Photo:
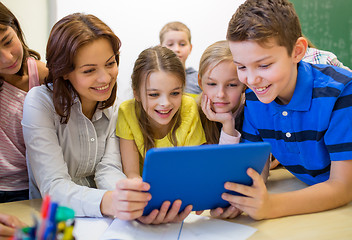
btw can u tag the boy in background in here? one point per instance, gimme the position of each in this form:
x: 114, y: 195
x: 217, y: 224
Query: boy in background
x: 177, y: 37
x: 303, y: 110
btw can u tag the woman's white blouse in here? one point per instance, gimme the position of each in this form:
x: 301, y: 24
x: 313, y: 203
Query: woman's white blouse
x: 75, y: 163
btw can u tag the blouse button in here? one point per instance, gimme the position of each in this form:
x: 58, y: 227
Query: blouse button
x: 288, y: 134
x: 284, y: 113
x: 92, y: 139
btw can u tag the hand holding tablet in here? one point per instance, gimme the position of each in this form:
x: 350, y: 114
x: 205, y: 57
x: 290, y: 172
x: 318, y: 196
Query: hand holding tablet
x: 196, y: 175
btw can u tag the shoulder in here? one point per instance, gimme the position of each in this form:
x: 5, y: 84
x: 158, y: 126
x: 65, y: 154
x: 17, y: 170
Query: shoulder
x: 188, y: 102
x: 327, y: 75
x: 39, y: 92
x: 127, y: 105
x: 189, y: 110
x: 191, y: 70
x: 42, y: 71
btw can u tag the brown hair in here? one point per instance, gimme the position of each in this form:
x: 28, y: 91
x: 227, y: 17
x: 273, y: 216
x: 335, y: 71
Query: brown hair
x: 265, y: 19
x: 213, y: 55
x: 174, y: 26
x: 151, y: 60
x: 67, y: 36
x: 8, y: 19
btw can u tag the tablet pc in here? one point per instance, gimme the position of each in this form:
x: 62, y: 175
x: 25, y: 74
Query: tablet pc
x: 196, y: 175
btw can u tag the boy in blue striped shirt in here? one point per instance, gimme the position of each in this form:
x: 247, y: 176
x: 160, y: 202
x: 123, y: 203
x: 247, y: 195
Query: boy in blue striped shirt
x: 303, y: 110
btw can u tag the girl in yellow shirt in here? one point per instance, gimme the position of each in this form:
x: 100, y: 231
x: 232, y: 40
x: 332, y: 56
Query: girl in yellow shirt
x: 159, y: 115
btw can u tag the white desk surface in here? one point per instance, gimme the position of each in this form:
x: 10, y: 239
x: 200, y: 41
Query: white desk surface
x: 332, y: 224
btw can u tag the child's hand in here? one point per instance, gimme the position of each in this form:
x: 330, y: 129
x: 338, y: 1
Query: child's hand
x: 256, y: 202
x: 8, y: 225
x: 226, y: 119
x: 166, y: 215
x: 213, y: 116
x: 229, y: 212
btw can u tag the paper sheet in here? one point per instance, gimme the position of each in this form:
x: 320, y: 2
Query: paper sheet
x: 194, y: 227
x: 90, y: 228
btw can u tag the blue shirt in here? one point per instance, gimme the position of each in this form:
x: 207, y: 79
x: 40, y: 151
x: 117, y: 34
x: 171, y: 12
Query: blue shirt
x: 314, y: 129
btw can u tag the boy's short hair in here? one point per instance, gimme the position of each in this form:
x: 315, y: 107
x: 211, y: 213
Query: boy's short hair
x: 174, y: 26
x: 259, y: 20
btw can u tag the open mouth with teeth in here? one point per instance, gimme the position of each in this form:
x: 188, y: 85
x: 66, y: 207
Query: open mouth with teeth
x: 261, y: 89
x: 102, y: 88
x: 163, y: 112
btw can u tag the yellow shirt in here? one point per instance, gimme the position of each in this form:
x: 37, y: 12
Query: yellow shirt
x: 189, y: 133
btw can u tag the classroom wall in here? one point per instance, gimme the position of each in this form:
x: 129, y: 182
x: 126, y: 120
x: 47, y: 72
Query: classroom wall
x: 137, y: 23
x: 33, y: 17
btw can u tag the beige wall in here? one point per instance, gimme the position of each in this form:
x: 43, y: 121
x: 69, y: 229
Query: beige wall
x: 34, y: 19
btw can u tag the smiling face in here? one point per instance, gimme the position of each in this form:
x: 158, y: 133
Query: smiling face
x: 222, y: 87
x: 161, y: 98
x: 11, y: 51
x: 95, y: 73
x: 178, y: 42
x: 268, y: 70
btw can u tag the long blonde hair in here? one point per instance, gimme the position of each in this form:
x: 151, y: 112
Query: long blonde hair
x: 152, y: 60
x: 213, y: 55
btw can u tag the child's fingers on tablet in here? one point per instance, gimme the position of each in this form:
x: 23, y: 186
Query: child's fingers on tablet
x: 162, y: 213
x: 149, y: 218
x: 183, y: 214
x: 240, y: 188
x: 173, y: 212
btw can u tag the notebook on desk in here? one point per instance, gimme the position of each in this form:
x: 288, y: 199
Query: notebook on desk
x: 196, y: 175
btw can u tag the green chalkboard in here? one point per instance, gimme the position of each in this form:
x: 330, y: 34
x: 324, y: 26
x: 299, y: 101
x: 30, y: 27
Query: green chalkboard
x: 328, y: 24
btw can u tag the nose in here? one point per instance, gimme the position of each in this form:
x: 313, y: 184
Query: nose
x: 5, y: 56
x: 221, y: 92
x: 176, y: 48
x: 252, y: 78
x: 164, y: 101
x: 104, y: 76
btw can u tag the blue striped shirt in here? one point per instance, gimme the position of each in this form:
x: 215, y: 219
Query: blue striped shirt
x: 314, y: 129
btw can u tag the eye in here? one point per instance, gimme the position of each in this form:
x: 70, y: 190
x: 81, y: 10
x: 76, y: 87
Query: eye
x: 175, y: 93
x: 265, y: 65
x: 8, y: 42
x: 241, y: 67
x: 111, y: 64
x: 211, y: 84
x: 89, y: 71
x: 233, y: 85
x: 153, y: 94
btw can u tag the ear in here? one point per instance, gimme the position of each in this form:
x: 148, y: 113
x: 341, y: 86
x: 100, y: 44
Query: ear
x: 191, y: 48
x: 299, y: 49
x: 65, y: 77
x: 200, y: 82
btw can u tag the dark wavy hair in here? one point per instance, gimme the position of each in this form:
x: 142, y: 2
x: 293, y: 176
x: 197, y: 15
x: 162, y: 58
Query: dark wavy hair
x: 8, y: 19
x: 67, y: 36
x: 151, y: 60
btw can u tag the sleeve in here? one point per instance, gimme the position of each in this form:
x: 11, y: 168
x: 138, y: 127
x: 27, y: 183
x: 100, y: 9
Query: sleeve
x: 46, y: 164
x: 228, y: 139
x: 123, y: 129
x: 338, y: 136
x: 109, y: 170
x: 195, y: 132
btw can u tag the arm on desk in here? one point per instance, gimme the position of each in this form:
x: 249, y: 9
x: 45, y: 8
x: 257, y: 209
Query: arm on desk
x: 8, y: 225
x: 259, y: 204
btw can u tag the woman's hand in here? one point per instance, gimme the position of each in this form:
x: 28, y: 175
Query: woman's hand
x: 8, y: 225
